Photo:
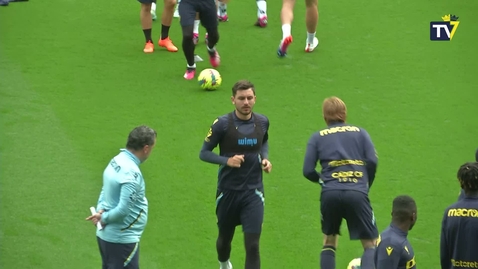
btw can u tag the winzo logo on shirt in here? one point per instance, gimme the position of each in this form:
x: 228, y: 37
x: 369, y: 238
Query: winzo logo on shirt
x: 247, y: 141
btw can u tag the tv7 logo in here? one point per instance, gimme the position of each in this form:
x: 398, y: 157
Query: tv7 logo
x: 444, y: 30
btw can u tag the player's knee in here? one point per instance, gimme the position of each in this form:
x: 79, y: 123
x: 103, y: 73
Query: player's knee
x: 368, y: 243
x: 213, y: 33
x: 331, y: 240
x: 146, y: 7
x: 311, y: 3
x: 188, y: 36
x: 223, y: 242
x: 170, y: 4
x: 288, y: 5
x: 187, y: 33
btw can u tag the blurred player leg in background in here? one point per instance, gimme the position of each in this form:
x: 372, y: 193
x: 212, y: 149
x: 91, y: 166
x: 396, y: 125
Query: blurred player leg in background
x: 207, y: 14
x: 209, y: 20
x: 287, y: 16
x: 153, y: 10
x: 311, y: 20
x: 196, y: 29
x: 166, y: 20
x: 187, y: 14
x: 146, y: 24
x: 261, y: 13
x: 222, y: 11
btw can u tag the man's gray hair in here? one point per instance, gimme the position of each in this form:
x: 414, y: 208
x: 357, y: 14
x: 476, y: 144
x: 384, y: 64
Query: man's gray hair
x: 140, y: 137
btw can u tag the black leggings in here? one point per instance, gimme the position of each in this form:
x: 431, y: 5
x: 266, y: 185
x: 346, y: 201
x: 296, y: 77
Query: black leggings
x: 251, y: 243
x: 188, y: 44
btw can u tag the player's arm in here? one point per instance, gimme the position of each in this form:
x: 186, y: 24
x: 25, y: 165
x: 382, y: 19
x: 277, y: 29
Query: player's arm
x: 100, y: 207
x: 388, y: 256
x: 126, y: 201
x: 214, y: 136
x: 310, y: 160
x: 371, y: 158
x: 445, y: 259
x: 265, y: 141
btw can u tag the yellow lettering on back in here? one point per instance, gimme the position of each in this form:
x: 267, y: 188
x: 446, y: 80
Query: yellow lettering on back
x: 463, y: 212
x: 339, y: 129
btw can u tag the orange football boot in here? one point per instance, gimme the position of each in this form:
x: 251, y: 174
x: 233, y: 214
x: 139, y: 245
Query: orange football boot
x: 149, y: 47
x: 168, y: 44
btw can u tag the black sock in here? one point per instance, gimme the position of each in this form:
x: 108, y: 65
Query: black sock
x: 164, y: 31
x: 147, y: 35
x: 327, y: 258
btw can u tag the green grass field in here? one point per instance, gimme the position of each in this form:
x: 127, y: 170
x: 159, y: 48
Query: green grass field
x: 74, y: 81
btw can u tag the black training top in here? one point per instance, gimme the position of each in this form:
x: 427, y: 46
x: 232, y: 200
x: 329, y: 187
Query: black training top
x: 238, y: 137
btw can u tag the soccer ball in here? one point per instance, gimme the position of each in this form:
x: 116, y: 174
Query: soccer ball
x: 209, y: 79
x: 355, y: 264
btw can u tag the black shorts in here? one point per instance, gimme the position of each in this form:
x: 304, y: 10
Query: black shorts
x: 147, y: 1
x: 119, y: 256
x: 354, y: 207
x: 244, y: 208
x: 207, y: 13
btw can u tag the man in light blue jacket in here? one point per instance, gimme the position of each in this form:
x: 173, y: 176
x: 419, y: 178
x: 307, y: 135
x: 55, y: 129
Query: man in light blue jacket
x: 122, y: 207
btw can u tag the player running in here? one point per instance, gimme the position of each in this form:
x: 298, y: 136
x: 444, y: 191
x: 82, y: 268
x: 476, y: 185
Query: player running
x: 188, y: 10
x: 311, y: 19
x: 242, y: 137
x: 349, y: 162
x: 166, y: 20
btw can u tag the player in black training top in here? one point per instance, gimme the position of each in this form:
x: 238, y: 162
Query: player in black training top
x: 393, y: 249
x: 243, y: 153
x: 349, y: 162
x: 462, y: 192
x: 459, y: 232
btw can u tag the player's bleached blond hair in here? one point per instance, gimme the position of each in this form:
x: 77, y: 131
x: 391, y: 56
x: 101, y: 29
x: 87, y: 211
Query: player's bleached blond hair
x: 334, y: 109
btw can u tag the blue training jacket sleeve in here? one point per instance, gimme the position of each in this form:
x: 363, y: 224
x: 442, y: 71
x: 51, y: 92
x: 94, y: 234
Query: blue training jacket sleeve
x: 310, y: 161
x: 100, y: 204
x: 389, y: 257
x: 445, y: 259
x: 214, y: 136
x: 265, y: 150
x: 125, y: 204
x: 371, y: 159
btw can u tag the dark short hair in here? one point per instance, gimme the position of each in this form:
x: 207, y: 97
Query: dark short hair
x: 140, y: 137
x: 468, y: 176
x: 403, y: 207
x: 243, y: 85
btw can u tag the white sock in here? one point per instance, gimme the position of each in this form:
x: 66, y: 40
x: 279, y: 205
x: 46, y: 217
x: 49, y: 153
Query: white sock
x: 196, y: 26
x: 285, y: 30
x: 310, y: 38
x: 153, y: 7
x: 213, y: 49
x: 261, y: 8
x: 222, y: 9
x: 224, y: 265
x: 192, y: 66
